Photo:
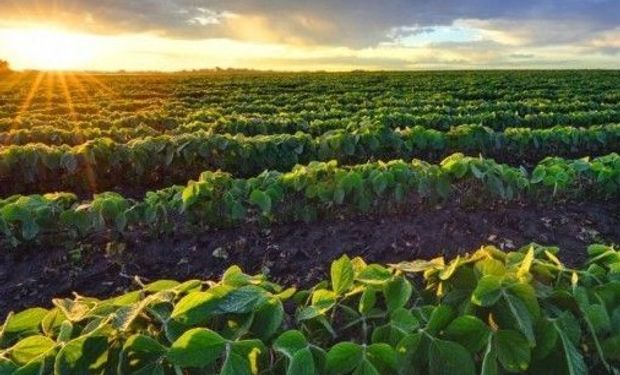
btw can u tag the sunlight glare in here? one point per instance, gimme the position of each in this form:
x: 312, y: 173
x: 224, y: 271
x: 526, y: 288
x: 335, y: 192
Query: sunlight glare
x: 49, y: 48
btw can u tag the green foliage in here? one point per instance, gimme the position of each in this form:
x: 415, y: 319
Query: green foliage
x: 487, y: 312
x: 218, y: 199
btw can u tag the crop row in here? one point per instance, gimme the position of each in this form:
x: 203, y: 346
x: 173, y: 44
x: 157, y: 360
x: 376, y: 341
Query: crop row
x: 51, y: 135
x: 497, y: 100
x: 159, y: 161
x: 488, y: 312
x: 315, y: 124
x: 135, y: 127
x: 319, y: 189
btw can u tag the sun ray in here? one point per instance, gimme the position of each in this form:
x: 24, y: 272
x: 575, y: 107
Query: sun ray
x: 50, y: 82
x: 28, y: 99
x: 67, y: 94
x: 100, y: 85
x: 74, y: 81
x: 90, y: 173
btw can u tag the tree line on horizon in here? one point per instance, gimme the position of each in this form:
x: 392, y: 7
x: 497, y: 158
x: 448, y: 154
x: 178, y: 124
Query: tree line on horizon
x: 4, y: 66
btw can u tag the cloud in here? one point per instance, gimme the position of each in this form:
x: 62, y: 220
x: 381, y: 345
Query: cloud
x: 336, y: 34
x: 352, y: 23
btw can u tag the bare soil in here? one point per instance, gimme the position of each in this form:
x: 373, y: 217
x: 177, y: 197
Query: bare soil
x: 299, y: 254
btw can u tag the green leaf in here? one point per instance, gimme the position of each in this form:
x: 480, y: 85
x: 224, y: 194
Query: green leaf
x: 521, y: 316
x: 343, y: 357
x: 366, y: 368
x: 488, y: 291
x: 397, y: 292
x: 80, y: 355
x: 141, y: 354
x: 242, y: 300
x: 196, y: 307
x: 342, y: 274
x: 374, y: 274
x: 546, y: 339
x: 268, y: 319
x: 441, y: 316
x: 574, y: 359
x: 250, y: 351
x: 408, y: 347
x: 190, y: 194
x: 235, y: 365
x: 65, y: 332
x: 446, y: 358
x: 36, y: 367
x: 197, y: 347
x: 261, y: 199
x: 302, y: 363
x: 30, y: 348
x: 7, y: 367
x: 611, y: 348
x: 382, y: 356
x: 489, y: 360
x: 234, y: 276
x: 323, y: 299
x: 290, y: 342
x: 527, y: 294
x: 491, y: 266
x: 27, y: 320
x: 598, y: 316
x: 538, y: 175
x: 468, y: 331
x: 513, y: 350
x: 367, y: 300
x: 308, y: 312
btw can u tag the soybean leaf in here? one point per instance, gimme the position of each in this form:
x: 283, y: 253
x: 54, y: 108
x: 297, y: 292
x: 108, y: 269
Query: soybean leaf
x: 574, y: 359
x: 197, y: 347
x: 343, y: 357
x: 397, y: 292
x: 302, y: 363
x: 261, y: 199
x: 30, y: 348
x: 446, y: 357
x: 488, y: 291
x: 513, y: 350
x: 342, y: 274
x: 521, y: 316
x: 489, y: 360
x: 80, y: 355
x: 468, y: 331
x: 234, y: 364
x: 290, y: 342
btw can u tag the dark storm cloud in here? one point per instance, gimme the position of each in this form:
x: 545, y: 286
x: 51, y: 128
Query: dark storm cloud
x: 352, y: 23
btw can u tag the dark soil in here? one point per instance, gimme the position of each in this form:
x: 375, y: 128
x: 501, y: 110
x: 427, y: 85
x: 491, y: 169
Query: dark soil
x: 299, y: 254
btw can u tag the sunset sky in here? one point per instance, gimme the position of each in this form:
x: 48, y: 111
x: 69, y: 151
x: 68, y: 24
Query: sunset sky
x: 309, y: 35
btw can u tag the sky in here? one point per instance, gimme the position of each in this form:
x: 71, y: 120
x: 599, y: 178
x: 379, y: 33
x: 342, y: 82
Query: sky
x: 296, y: 35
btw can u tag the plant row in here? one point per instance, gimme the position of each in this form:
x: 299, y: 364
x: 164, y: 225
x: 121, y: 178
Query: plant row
x: 55, y: 132
x: 534, y: 99
x: 102, y: 164
x: 487, y: 312
x: 136, y: 126
x: 318, y: 190
x: 51, y: 135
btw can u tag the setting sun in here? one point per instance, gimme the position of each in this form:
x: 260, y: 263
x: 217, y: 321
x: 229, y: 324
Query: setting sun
x: 49, y: 48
